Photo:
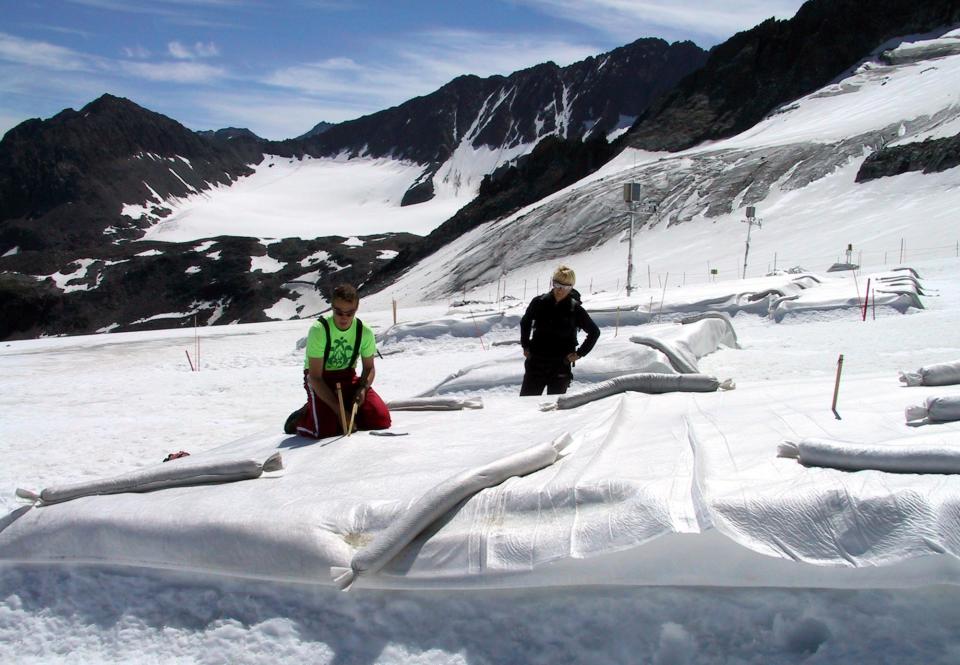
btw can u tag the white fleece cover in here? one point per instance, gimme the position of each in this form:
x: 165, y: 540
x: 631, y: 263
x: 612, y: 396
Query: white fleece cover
x: 665, y: 348
x: 685, y: 343
x: 892, y: 288
x: 688, y: 484
x: 440, y: 499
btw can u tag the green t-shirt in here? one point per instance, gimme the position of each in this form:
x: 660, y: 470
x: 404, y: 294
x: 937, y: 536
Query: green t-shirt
x: 341, y: 344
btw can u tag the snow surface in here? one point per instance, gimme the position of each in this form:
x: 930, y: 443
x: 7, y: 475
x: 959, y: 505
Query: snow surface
x: 306, y: 198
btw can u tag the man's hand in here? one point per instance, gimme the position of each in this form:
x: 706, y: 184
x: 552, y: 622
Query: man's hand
x: 526, y: 353
x: 572, y: 358
x: 361, y: 395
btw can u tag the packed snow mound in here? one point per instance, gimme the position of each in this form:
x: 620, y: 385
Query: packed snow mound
x: 683, y: 488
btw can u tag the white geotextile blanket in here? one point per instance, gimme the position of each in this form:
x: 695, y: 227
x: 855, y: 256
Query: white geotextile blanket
x: 338, y: 495
x: 440, y: 499
x: 463, y: 325
x: 846, y: 293
x: 941, y: 374
x: 685, y: 343
x: 897, y: 456
x: 610, y: 358
x: 664, y: 349
x: 822, y: 516
x: 643, y: 473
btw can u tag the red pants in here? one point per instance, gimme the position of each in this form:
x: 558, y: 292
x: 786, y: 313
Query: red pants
x: 317, y: 420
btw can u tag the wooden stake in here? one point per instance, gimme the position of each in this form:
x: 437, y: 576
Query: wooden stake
x: 343, y: 412
x: 353, y: 414
x: 189, y: 361
x: 866, y: 299
x: 836, y: 387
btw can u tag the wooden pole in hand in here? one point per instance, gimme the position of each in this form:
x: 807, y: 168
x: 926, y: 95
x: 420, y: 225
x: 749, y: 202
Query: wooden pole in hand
x: 353, y: 414
x: 343, y: 413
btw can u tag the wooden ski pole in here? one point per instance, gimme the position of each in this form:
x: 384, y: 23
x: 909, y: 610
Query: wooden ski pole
x: 836, y: 386
x: 343, y: 413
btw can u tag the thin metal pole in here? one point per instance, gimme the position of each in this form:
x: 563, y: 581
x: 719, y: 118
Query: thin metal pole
x: 630, y: 255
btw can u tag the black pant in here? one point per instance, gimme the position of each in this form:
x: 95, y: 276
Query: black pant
x: 552, y: 373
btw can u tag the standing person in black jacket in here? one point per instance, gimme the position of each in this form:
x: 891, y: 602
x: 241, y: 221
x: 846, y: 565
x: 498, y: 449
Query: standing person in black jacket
x: 550, y: 353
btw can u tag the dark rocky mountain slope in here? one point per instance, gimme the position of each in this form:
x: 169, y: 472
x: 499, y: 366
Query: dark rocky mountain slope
x: 591, y: 98
x: 63, y: 181
x: 756, y: 71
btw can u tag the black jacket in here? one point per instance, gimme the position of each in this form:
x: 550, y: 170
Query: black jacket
x: 554, y: 325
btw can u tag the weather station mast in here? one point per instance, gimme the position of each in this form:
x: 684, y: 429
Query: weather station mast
x: 631, y: 196
x: 749, y: 221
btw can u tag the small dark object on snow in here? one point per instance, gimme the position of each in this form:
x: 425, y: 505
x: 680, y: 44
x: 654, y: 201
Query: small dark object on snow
x: 176, y: 455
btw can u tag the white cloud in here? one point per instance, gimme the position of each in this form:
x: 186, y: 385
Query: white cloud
x: 32, y: 53
x: 670, y: 19
x: 271, y: 115
x: 135, y: 52
x: 421, y: 64
x: 174, y: 72
x: 198, y: 50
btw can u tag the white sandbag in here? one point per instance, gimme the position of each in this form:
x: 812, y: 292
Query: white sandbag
x: 934, y: 410
x: 175, y: 473
x: 434, y: 404
x: 900, y: 456
x: 941, y: 374
x: 440, y: 499
x: 642, y: 383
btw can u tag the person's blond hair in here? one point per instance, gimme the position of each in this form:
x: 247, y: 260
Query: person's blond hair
x: 565, y: 275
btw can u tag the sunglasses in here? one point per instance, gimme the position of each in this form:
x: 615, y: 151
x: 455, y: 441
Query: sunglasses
x: 561, y: 285
x: 344, y: 312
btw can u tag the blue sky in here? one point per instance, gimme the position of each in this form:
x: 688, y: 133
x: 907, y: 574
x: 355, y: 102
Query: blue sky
x: 280, y: 67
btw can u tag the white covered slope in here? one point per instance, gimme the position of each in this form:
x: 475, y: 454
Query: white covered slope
x: 797, y: 168
x: 680, y: 488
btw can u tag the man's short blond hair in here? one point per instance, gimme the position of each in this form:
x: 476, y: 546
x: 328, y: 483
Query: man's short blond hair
x: 565, y: 275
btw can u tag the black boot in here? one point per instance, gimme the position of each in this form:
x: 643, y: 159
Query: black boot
x: 290, y: 426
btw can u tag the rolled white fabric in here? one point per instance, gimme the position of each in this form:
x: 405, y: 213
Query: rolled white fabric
x: 175, y: 473
x: 941, y: 374
x: 899, y: 456
x: 437, y: 501
x: 642, y: 383
x: 935, y: 410
x: 434, y: 404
